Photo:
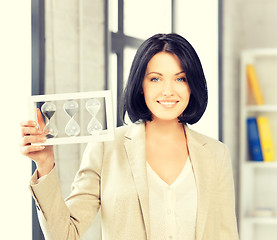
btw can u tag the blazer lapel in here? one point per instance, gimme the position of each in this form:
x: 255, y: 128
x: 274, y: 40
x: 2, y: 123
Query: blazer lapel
x: 135, y: 149
x: 200, y: 156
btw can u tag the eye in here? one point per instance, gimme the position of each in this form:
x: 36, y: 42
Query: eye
x: 155, y: 79
x: 181, y: 79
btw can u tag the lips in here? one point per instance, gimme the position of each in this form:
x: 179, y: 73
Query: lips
x: 168, y: 104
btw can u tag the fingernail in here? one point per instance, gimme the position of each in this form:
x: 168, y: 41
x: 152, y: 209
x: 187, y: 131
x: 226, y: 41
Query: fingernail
x: 41, y: 147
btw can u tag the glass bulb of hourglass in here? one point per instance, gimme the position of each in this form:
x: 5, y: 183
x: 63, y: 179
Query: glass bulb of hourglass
x: 93, y: 107
x: 50, y: 130
x: 49, y: 109
x: 71, y: 107
x: 94, y: 126
x: 72, y: 127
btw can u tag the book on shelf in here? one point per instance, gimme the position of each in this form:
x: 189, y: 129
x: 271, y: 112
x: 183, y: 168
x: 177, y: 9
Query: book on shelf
x: 266, y: 138
x: 254, y: 84
x: 260, y: 140
x: 254, y: 143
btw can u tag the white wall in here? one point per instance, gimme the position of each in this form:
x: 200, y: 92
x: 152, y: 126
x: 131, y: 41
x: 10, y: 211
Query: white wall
x: 15, y: 77
x: 247, y: 24
x: 74, y: 62
x: 197, y: 21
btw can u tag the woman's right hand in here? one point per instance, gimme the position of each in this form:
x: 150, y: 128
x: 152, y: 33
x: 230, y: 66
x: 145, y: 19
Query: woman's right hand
x: 43, y: 156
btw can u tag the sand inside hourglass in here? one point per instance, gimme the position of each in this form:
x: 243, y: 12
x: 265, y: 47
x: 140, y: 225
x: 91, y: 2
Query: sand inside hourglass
x: 49, y: 109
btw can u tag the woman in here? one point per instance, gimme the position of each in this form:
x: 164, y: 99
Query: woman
x: 158, y: 179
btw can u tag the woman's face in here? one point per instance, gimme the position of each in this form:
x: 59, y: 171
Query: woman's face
x: 165, y: 88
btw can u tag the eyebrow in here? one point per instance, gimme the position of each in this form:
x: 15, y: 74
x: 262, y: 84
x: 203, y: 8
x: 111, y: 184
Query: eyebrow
x: 162, y: 74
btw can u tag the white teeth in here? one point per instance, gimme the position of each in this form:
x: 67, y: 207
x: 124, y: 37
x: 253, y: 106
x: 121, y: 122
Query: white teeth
x: 167, y: 103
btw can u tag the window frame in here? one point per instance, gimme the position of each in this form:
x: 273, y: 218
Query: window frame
x: 116, y: 42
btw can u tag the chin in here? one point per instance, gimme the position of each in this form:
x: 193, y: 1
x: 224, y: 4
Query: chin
x: 166, y: 118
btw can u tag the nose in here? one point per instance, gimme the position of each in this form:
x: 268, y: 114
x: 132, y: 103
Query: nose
x: 167, y: 90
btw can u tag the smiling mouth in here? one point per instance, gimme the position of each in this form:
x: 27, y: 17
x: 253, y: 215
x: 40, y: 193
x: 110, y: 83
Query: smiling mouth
x: 168, y: 104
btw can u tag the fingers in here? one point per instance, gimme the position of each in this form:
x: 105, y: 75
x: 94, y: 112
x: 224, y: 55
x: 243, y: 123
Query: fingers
x: 31, y: 134
x: 28, y: 139
x: 25, y: 150
x: 41, y: 122
x: 26, y: 147
x: 28, y: 123
x: 29, y: 128
x: 30, y: 131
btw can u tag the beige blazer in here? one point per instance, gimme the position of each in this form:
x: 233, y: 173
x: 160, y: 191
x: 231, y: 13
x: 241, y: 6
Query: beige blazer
x: 113, y: 177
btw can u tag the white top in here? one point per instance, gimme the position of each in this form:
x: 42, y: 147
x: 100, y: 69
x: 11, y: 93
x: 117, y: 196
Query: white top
x: 172, y: 207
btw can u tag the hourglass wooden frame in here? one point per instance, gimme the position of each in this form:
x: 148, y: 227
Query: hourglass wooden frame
x: 105, y: 135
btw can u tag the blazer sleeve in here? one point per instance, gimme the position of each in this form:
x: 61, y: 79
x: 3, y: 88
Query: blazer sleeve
x: 226, y: 199
x: 70, y: 218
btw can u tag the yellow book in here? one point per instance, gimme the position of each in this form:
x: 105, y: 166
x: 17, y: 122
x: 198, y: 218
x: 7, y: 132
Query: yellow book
x: 254, y: 84
x: 265, y: 138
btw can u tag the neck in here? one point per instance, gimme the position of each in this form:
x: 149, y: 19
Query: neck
x: 164, y: 129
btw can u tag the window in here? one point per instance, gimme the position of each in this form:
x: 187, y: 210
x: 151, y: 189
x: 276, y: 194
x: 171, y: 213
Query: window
x: 130, y: 23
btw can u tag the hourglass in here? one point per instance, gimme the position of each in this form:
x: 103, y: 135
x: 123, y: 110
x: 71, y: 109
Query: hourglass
x: 93, y: 107
x: 49, y: 109
x: 72, y: 128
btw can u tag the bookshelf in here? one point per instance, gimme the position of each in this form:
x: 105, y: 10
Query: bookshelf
x: 258, y: 180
